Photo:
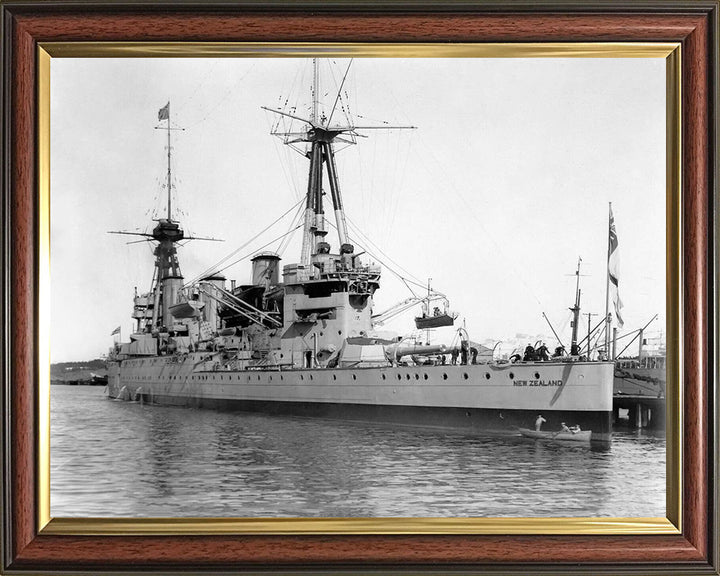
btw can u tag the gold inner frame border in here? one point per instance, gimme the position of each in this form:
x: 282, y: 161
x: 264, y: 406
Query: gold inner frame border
x: 671, y: 524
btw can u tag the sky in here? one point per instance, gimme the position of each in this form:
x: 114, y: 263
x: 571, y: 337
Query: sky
x: 501, y: 188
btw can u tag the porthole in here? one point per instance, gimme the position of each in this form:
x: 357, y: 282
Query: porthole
x: 487, y: 375
x: 302, y: 377
x: 465, y: 376
x: 281, y: 377
x: 425, y: 376
x: 339, y: 332
x: 511, y: 375
x: 537, y: 375
x: 269, y: 378
x: 354, y: 377
x: 383, y: 376
x: 321, y: 333
x: 399, y: 376
x: 311, y: 376
x: 444, y: 376
x: 258, y: 376
x: 417, y: 376
x: 407, y: 376
x: 334, y: 377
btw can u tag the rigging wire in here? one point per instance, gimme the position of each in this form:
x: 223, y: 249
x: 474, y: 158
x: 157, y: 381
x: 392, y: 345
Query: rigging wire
x: 367, y: 239
x: 295, y: 221
x: 285, y: 164
x: 213, y: 268
x: 255, y: 251
x: 339, y: 92
x: 210, y: 70
x: 408, y: 287
x: 387, y: 267
x: 469, y: 210
x: 223, y: 99
x: 286, y: 241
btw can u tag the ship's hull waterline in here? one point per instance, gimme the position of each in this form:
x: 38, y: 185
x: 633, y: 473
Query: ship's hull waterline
x: 476, y: 398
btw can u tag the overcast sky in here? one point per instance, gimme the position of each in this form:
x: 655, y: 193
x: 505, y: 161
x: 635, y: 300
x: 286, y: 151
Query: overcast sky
x: 503, y: 185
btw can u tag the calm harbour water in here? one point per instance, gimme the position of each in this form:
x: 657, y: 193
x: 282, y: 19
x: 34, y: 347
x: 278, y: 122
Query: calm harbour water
x: 111, y: 458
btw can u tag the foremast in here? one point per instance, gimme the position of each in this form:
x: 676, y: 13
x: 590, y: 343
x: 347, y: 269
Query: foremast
x: 167, y: 233
x: 152, y: 310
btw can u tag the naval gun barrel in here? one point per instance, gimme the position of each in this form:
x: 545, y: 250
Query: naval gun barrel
x: 395, y: 351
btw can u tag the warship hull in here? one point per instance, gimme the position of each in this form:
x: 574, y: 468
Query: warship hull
x: 480, y: 398
x: 300, y: 339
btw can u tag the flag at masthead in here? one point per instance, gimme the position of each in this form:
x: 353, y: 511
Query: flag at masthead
x: 164, y: 112
x: 613, y: 281
x: 613, y: 270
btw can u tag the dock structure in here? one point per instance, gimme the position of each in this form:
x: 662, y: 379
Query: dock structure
x: 643, y: 411
x: 639, y: 389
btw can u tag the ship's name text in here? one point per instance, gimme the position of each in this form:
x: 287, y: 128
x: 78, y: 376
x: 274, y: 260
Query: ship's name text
x: 537, y: 382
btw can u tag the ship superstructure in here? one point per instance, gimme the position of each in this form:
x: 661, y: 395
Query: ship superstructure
x: 301, y: 338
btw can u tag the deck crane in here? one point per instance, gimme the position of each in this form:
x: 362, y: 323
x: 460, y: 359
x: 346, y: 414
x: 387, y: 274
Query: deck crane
x: 428, y: 319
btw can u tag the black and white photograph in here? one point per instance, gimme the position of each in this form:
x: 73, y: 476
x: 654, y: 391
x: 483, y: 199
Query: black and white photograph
x: 289, y: 287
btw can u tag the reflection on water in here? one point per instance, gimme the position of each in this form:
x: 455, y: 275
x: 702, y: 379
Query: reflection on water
x: 112, y: 458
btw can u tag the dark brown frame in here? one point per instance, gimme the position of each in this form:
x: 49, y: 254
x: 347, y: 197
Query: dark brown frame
x: 692, y: 23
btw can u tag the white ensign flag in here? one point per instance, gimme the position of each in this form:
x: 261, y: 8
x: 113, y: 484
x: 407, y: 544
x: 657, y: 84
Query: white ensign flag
x: 613, y: 270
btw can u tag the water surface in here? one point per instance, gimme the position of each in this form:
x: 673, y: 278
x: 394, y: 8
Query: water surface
x: 111, y: 458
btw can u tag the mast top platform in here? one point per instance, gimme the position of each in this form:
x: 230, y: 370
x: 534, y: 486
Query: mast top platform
x: 167, y: 229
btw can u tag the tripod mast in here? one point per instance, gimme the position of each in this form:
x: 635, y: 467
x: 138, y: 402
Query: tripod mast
x: 321, y: 136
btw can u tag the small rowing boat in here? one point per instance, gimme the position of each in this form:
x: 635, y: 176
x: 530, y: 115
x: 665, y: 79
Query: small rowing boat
x: 582, y: 436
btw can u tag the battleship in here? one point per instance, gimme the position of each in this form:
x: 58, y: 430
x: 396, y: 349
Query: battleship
x: 303, y: 338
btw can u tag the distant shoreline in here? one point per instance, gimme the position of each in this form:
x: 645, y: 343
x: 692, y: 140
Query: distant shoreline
x: 83, y: 373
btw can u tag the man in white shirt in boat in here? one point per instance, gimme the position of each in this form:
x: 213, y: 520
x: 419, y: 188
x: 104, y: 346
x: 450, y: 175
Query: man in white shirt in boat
x: 572, y: 430
x: 539, y: 422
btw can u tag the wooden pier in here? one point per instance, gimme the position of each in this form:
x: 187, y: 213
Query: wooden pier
x: 641, y: 392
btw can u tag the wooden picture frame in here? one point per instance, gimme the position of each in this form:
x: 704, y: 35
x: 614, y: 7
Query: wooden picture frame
x: 31, y: 546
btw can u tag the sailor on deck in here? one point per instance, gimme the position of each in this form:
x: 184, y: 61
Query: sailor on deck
x: 529, y: 355
x: 542, y: 352
x: 464, y: 352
